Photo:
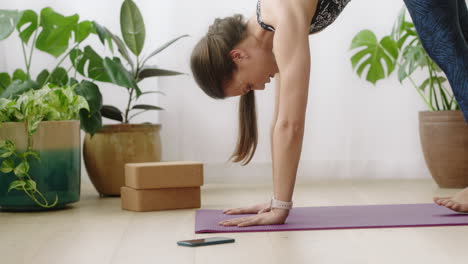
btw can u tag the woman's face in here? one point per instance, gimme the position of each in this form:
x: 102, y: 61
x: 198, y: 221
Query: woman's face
x: 255, y: 68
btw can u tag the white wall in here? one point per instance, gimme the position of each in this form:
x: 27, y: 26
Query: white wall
x: 353, y: 129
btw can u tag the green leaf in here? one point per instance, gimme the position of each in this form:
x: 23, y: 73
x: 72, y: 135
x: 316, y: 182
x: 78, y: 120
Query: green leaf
x: 95, y: 69
x: 42, y: 77
x: 59, y: 77
x: 91, y: 93
x: 29, y: 17
x: 8, y: 21
x: 434, y: 79
x: 104, y: 35
x: 16, y: 185
x: 147, y: 107
x: 32, y: 153
x: 413, y: 56
x: 155, y: 72
x: 101, y: 32
x: 158, y: 50
x: 5, y: 153
x: 90, y: 123
x: 5, y: 81
x: 18, y: 87
x: 373, y: 55
x: 22, y: 168
x: 30, y: 185
x: 119, y: 75
x: 122, y: 49
x: 150, y: 92
x: 398, y: 28
x: 7, y: 166
x: 111, y: 112
x: 56, y: 31
x: 132, y: 26
x: 19, y: 74
x: 72, y: 81
x: 84, y: 28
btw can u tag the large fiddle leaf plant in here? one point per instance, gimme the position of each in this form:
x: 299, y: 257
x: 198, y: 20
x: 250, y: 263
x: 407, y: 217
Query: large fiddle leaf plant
x: 112, y: 70
x: 402, y: 50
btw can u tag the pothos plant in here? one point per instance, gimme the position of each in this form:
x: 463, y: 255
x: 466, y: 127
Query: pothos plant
x: 49, y: 103
x: 402, y: 49
x: 111, y: 69
x: 50, y: 96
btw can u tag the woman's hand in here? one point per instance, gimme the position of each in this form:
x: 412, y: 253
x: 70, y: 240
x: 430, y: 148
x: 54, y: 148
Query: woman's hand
x: 273, y: 217
x: 254, y: 209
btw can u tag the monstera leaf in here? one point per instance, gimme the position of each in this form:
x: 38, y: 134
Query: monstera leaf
x: 30, y: 19
x: 8, y: 21
x: 374, y: 55
x: 56, y: 31
x: 94, y: 69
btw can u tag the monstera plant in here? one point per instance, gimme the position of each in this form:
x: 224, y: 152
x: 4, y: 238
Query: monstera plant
x: 443, y: 130
x: 49, y: 32
x: 402, y: 50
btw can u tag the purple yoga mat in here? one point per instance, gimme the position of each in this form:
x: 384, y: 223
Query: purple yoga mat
x: 340, y: 217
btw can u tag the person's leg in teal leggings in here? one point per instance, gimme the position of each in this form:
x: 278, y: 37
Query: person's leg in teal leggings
x: 442, y: 26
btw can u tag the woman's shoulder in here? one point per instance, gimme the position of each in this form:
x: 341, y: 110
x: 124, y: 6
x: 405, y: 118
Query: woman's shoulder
x: 272, y: 11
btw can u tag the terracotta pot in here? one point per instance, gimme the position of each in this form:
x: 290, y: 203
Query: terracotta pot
x: 57, y: 174
x: 444, y: 140
x: 107, y: 152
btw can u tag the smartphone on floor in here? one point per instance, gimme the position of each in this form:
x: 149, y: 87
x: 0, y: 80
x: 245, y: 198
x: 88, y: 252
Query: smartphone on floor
x: 205, y: 241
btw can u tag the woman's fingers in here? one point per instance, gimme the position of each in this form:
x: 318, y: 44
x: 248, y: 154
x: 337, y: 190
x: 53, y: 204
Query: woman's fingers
x: 247, y: 210
x: 232, y: 222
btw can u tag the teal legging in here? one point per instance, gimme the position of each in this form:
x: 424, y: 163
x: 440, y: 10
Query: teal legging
x: 442, y: 26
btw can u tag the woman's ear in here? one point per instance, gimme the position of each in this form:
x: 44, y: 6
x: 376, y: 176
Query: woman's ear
x: 237, y: 55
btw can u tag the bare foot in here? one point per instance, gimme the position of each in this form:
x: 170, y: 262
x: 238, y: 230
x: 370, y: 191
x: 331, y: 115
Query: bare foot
x: 458, y: 203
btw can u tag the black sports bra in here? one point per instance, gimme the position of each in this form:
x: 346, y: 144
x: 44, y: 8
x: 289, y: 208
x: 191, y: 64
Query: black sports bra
x: 327, y: 11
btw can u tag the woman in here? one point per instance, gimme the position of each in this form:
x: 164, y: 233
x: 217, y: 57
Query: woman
x: 237, y: 58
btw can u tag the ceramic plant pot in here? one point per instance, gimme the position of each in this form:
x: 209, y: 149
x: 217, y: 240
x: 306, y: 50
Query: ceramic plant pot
x: 107, y: 152
x: 58, y: 173
x: 444, y: 140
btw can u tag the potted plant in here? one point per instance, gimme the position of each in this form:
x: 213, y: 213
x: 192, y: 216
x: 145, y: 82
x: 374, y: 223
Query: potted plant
x: 40, y: 119
x: 107, y: 152
x: 443, y: 131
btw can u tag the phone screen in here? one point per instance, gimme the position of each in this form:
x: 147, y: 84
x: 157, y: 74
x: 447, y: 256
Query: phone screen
x: 205, y: 241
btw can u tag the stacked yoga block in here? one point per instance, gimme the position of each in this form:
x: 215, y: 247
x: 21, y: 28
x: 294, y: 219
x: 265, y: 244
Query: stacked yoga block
x: 155, y: 186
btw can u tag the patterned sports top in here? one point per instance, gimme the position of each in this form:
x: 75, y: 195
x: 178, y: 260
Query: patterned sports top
x: 327, y: 11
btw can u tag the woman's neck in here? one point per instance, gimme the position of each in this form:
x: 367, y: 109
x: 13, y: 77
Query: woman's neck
x: 263, y: 38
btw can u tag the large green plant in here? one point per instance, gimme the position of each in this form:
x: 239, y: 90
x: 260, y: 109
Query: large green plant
x: 52, y: 33
x: 401, y: 49
x: 90, y: 64
x: 49, y: 103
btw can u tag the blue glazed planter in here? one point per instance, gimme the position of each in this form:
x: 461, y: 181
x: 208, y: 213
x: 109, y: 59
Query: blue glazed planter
x: 58, y: 172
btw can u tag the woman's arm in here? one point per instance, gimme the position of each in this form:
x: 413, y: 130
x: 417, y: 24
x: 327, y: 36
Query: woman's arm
x: 291, y: 48
x: 275, y: 114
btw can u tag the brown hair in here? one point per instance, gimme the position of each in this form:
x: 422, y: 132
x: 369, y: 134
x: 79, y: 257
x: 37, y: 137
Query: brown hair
x: 212, y: 67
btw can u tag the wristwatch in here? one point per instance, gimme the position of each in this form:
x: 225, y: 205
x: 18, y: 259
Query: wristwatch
x: 280, y: 204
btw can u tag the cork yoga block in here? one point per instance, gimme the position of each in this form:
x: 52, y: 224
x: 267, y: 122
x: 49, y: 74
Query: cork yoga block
x: 160, y: 199
x: 167, y: 174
